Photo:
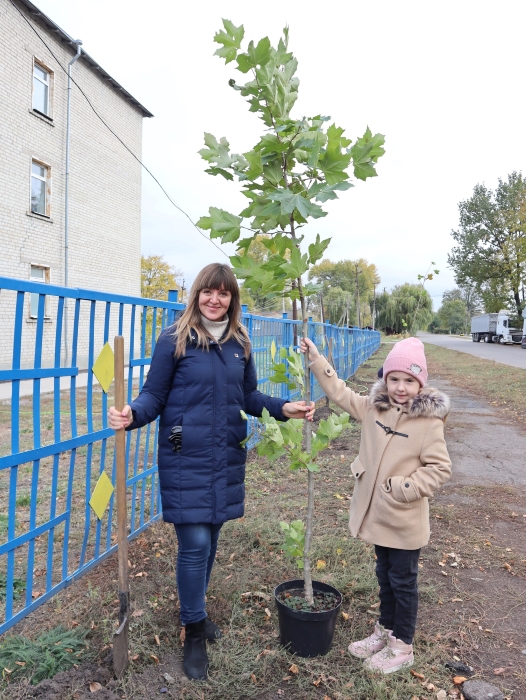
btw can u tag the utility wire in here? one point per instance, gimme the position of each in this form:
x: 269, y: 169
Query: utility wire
x: 115, y: 134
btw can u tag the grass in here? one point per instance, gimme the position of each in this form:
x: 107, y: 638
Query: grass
x: 36, y: 659
x: 500, y: 385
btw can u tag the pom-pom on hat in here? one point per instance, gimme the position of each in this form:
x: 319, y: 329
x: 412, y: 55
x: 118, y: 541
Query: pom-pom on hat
x: 407, y: 356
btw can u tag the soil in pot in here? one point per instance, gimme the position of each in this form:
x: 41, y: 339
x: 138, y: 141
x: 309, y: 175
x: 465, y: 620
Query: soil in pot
x: 323, y: 600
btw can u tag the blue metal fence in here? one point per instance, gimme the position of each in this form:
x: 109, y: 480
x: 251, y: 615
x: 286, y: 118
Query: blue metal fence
x: 54, y: 437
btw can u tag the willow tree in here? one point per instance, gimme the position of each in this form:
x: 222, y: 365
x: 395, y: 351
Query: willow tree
x: 296, y: 166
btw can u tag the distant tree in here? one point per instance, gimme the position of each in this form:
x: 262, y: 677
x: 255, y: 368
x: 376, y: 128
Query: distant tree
x: 407, y: 308
x: 453, y: 315
x: 469, y: 295
x: 343, y: 275
x: 491, y: 242
x: 157, y: 278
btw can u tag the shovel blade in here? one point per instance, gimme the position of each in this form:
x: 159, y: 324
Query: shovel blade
x: 120, y: 638
x: 120, y: 651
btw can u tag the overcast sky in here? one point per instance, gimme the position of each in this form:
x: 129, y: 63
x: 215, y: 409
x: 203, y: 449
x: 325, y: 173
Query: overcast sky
x: 444, y: 81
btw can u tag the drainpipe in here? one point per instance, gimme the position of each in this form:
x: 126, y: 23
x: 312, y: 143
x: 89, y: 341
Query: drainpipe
x: 78, y: 44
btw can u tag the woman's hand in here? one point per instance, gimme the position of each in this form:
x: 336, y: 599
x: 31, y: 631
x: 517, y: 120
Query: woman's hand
x: 306, y: 344
x: 298, y: 409
x: 120, y: 419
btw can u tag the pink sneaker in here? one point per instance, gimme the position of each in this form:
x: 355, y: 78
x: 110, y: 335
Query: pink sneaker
x: 370, y: 645
x: 393, y: 657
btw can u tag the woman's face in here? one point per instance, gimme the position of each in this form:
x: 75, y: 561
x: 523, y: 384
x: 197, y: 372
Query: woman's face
x: 214, y: 303
x: 402, y: 387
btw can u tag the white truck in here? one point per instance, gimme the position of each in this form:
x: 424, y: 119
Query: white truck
x: 495, y: 328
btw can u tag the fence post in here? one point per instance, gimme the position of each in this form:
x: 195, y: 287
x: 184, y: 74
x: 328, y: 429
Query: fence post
x: 172, y: 297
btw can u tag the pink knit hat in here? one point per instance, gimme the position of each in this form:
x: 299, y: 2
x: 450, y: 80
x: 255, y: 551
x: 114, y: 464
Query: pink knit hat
x: 407, y: 356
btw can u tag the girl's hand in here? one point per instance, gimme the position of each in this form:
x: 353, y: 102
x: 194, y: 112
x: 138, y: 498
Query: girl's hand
x: 306, y: 344
x: 120, y: 419
x: 298, y: 409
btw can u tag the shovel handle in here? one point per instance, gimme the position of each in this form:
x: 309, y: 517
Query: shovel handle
x: 120, y: 460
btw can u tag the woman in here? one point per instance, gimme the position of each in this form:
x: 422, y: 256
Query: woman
x: 201, y: 377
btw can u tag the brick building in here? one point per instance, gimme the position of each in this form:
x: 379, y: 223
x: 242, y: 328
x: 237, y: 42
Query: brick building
x: 104, y: 191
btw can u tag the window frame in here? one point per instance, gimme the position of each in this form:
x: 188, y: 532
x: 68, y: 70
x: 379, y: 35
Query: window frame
x: 47, y: 187
x: 37, y: 63
x: 33, y: 297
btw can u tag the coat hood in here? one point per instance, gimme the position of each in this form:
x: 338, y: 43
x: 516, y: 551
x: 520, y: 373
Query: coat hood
x: 428, y: 403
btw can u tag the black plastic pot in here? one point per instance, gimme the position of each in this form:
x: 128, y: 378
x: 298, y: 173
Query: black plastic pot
x: 306, y: 633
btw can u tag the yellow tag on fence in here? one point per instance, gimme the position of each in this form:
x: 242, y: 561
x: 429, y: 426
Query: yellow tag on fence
x: 103, y: 368
x: 101, y: 495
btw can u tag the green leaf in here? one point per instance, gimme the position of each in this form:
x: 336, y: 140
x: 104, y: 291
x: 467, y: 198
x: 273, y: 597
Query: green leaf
x: 297, y: 265
x: 221, y: 225
x: 324, y: 192
x: 258, y: 55
x: 231, y: 39
x: 365, y: 154
x: 317, y: 249
x: 217, y: 151
x: 290, y: 201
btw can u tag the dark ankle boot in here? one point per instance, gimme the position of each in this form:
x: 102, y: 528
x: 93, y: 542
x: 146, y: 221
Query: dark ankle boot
x: 212, y: 631
x: 195, y: 658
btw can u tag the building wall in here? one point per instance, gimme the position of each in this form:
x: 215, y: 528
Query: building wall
x: 104, y: 182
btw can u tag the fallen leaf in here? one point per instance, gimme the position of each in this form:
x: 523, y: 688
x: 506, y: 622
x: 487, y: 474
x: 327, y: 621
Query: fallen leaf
x: 430, y: 686
x: 171, y: 596
x: 182, y: 635
x: 253, y: 678
x: 374, y: 606
x: 287, y: 678
x: 320, y: 564
x: 294, y: 669
x: 168, y: 678
x: 231, y: 557
x: 444, y: 573
x: 499, y: 671
x: 157, y: 640
x: 417, y: 675
x: 345, y: 615
x: 155, y: 658
x: 514, y: 515
x: 36, y: 594
x: 441, y: 695
x: 135, y: 657
x: 457, y: 680
x: 229, y: 576
x: 141, y: 573
x: 94, y: 687
x: 137, y: 613
x: 507, y: 567
x: 457, y: 600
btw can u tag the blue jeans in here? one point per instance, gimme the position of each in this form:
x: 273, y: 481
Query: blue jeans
x: 195, y: 559
x: 397, y: 573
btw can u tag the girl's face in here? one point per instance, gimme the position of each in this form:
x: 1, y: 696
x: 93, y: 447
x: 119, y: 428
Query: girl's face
x: 214, y: 303
x: 402, y: 387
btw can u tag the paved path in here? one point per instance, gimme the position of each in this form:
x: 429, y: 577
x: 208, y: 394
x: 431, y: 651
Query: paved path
x: 512, y: 355
x: 485, y: 447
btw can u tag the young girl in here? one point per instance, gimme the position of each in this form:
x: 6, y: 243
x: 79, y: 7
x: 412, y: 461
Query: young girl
x: 402, y: 460
x: 201, y: 376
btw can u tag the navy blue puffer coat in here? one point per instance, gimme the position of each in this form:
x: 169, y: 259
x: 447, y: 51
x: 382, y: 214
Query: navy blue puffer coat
x: 203, y: 392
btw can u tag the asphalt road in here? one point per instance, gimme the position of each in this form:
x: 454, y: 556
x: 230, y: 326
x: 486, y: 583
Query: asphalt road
x: 512, y: 355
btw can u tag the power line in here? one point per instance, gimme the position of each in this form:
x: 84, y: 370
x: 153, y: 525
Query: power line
x: 115, y: 134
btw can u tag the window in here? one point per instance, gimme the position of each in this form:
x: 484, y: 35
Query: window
x: 38, y: 273
x: 41, y: 89
x: 40, y: 188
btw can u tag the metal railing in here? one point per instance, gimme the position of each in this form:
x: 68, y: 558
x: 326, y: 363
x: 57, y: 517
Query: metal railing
x: 54, y: 437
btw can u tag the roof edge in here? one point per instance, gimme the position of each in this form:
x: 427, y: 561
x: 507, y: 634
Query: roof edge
x: 65, y: 38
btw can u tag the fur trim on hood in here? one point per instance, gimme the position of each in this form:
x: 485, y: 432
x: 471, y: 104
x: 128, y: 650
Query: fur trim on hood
x: 428, y: 403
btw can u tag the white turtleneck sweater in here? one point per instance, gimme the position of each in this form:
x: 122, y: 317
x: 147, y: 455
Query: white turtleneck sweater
x: 215, y: 328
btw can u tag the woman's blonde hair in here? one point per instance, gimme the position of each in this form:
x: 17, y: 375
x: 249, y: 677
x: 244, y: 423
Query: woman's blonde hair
x: 213, y: 276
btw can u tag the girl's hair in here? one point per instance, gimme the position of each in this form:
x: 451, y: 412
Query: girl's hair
x: 213, y: 276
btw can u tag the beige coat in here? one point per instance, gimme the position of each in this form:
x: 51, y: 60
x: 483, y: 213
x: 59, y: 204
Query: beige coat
x: 394, y: 474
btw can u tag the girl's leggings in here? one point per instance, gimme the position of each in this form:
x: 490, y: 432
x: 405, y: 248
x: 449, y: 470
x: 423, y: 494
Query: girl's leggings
x: 397, y: 572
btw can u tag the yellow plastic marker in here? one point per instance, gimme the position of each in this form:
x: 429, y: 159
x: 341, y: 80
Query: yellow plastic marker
x: 273, y: 350
x: 103, y: 368
x: 101, y: 495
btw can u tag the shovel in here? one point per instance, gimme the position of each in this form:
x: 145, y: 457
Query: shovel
x: 120, y: 638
